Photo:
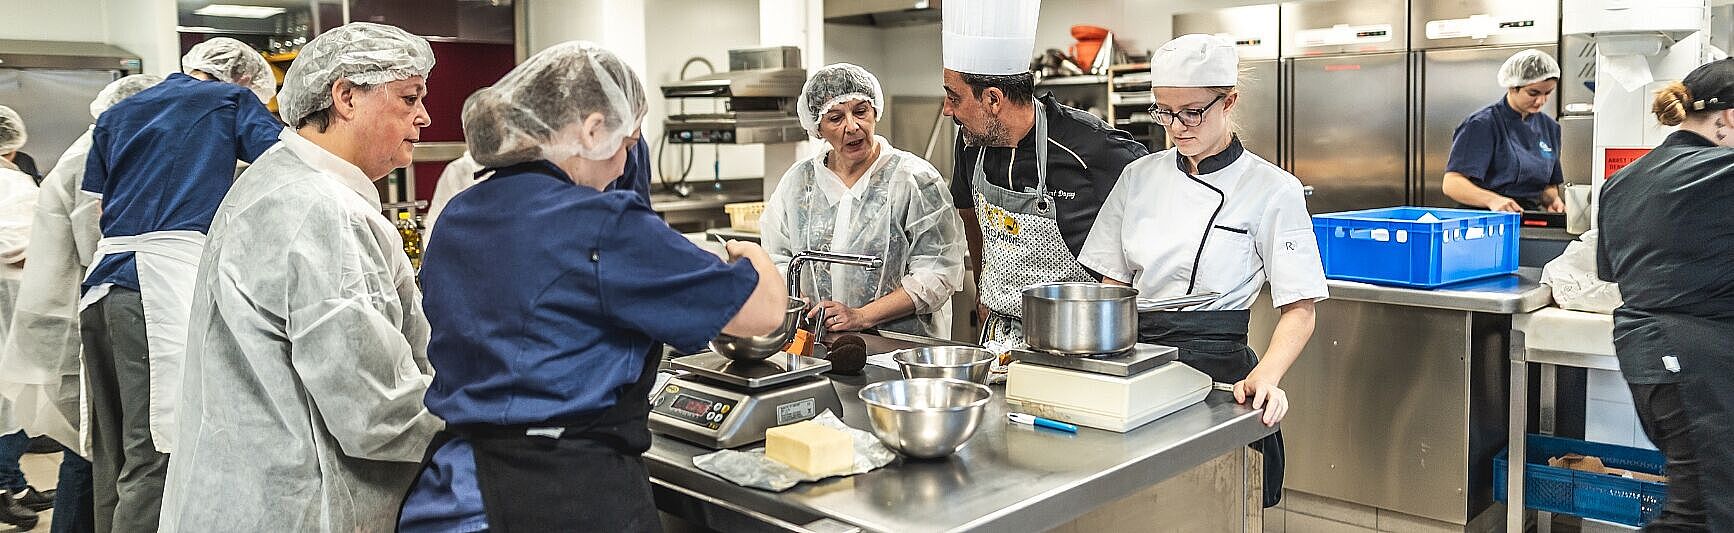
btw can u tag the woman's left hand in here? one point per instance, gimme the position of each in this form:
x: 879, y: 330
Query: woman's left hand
x: 839, y: 317
x: 1264, y: 394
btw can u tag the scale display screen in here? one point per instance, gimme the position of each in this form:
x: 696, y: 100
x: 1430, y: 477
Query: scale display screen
x: 689, y: 404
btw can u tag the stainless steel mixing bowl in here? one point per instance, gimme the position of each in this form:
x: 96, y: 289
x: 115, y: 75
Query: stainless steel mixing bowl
x: 762, y: 346
x: 966, y: 363
x: 926, y: 417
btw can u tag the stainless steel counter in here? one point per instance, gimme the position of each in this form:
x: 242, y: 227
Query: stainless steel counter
x: 1515, y: 293
x: 1008, y: 478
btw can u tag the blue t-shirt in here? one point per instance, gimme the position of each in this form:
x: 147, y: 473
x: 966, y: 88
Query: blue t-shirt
x: 1511, y: 155
x: 161, y: 160
x: 544, y: 298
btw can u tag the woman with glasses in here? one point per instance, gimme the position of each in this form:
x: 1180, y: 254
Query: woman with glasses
x: 1209, y: 216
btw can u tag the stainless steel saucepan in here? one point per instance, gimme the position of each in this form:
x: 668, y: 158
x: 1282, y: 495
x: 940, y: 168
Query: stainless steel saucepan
x: 1090, y: 318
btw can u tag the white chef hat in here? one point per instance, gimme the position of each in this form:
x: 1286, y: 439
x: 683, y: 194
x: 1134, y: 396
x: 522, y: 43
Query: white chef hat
x: 1195, y: 60
x: 990, y: 37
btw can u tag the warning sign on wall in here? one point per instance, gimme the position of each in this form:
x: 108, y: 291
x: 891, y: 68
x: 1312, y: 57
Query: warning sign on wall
x: 1614, y: 159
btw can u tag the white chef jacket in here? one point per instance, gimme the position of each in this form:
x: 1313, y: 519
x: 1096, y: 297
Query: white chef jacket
x: 1170, y: 233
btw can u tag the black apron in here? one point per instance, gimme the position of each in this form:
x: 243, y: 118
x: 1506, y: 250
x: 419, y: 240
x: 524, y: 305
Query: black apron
x: 591, y: 477
x: 1705, y: 349
x: 1214, y: 342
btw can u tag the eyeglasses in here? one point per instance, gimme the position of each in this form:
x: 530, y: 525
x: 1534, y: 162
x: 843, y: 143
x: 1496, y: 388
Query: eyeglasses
x: 1191, y: 118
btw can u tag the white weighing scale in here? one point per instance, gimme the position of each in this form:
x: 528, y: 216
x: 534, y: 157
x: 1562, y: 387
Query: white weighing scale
x: 724, y: 403
x: 1116, y: 392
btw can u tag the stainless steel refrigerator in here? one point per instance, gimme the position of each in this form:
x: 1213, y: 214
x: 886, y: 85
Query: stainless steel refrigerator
x: 1458, y: 47
x: 1255, y: 31
x: 1345, y: 114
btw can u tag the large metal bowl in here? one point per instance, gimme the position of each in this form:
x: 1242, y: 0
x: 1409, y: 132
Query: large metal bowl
x: 956, y: 362
x: 762, y: 346
x: 925, y: 418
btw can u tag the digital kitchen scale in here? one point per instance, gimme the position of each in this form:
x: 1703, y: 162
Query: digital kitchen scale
x: 1117, y: 392
x: 723, y: 403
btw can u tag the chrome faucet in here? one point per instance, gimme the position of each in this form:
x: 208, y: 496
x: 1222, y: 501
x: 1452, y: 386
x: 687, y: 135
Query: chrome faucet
x: 868, y: 262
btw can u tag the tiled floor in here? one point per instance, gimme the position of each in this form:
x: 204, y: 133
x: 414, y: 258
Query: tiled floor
x: 41, y: 470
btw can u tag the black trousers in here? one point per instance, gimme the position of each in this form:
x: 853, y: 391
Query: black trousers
x: 126, y: 470
x: 1662, y: 412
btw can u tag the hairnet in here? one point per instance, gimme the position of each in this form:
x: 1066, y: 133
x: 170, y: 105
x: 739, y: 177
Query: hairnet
x: 120, y: 89
x: 1526, y: 67
x: 362, y: 52
x: 12, y: 135
x: 835, y: 84
x: 232, y: 61
x: 535, y: 111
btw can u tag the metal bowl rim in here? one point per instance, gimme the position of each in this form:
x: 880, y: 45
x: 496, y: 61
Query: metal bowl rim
x: 897, y: 356
x: 906, y: 409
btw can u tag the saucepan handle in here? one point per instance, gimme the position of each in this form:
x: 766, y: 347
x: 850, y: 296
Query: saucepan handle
x: 1176, y: 302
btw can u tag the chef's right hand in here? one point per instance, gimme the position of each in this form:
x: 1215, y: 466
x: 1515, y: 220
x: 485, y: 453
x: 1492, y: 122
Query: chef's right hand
x: 740, y: 249
x: 1501, y: 203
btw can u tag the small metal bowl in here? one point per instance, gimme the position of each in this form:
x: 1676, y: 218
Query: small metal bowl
x: 955, y: 362
x: 925, y: 418
x: 762, y: 346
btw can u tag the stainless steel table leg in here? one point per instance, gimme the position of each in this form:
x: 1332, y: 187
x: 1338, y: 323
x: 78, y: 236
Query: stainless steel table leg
x: 1516, y: 445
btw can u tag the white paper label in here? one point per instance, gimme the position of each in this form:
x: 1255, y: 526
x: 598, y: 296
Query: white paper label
x: 1476, y: 27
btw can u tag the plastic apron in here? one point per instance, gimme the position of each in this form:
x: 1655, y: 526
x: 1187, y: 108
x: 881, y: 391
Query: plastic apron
x: 1021, y: 243
x: 168, y: 267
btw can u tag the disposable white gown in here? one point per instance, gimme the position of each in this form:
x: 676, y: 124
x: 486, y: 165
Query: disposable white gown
x: 459, y: 174
x: 39, y: 364
x: 301, y: 399
x: 17, y: 205
x: 900, y: 210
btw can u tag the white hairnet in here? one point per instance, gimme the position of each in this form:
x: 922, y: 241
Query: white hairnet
x: 921, y: 239
x: 120, y: 89
x: 362, y: 52
x: 835, y: 84
x: 12, y: 135
x: 232, y: 61
x: 535, y: 111
x: 1526, y: 67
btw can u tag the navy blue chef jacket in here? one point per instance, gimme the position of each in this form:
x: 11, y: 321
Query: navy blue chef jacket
x: 544, y: 297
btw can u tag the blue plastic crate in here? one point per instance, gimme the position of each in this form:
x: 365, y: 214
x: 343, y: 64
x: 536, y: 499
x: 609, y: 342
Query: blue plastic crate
x: 1602, y: 497
x: 1390, y: 246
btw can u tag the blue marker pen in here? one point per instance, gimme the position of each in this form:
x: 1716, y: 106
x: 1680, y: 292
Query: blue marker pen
x: 1023, y: 418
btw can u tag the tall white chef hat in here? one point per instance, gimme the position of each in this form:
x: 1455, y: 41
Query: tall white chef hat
x: 1195, y: 60
x: 991, y: 37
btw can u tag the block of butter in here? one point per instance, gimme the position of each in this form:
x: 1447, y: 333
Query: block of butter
x: 810, y: 447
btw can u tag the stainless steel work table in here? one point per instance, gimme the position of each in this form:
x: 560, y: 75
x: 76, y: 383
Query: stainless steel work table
x: 1522, y: 357
x: 1008, y: 478
x: 1400, y: 400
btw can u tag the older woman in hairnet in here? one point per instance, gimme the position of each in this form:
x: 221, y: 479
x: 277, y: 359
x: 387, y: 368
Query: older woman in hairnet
x: 550, y: 299
x: 159, y: 163
x: 39, y: 364
x: 301, y: 399
x: 1503, y: 157
x: 861, y: 195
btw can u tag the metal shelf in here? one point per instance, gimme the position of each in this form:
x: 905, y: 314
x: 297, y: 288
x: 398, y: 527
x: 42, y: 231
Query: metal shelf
x: 1087, y: 79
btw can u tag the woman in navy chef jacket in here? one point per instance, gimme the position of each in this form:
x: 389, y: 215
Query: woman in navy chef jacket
x: 1666, y: 236
x: 1503, y: 157
x: 549, y: 300
x: 1209, y: 216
